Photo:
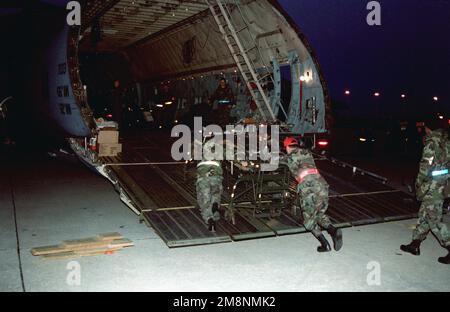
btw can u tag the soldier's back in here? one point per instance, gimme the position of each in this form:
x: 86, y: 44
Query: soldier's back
x: 301, y: 159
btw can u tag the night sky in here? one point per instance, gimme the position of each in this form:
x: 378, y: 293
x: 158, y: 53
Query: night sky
x: 409, y: 53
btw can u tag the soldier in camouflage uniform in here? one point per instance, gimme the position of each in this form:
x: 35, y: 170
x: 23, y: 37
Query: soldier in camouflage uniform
x: 312, y: 190
x: 431, y: 189
x: 209, y: 185
x: 225, y: 100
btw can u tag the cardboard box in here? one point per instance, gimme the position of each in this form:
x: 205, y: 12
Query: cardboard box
x: 109, y: 149
x: 108, y: 137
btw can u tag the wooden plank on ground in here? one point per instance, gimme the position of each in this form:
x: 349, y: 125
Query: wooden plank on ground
x: 110, y: 236
x: 102, y: 242
x: 77, y: 254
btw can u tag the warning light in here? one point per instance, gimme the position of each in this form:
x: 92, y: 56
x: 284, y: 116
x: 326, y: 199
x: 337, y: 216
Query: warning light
x: 322, y: 143
x: 109, y: 116
x: 420, y: 124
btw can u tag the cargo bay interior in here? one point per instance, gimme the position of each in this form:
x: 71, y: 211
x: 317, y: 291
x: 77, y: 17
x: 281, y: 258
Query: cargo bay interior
x: 165, y: 59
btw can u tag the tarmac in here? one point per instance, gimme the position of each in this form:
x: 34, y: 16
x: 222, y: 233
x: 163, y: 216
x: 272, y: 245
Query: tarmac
x: 45, y: 200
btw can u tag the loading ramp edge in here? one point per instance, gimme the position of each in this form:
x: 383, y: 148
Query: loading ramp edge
x: 184, y: 243
x: 133, y: 190
x: 264, y: 228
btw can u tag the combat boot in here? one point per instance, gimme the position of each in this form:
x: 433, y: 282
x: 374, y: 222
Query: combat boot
x: 211, y: 225
x: 325, y: 245
x: 336, y: 235
x: 446, y: 259
x: 413, y: 248
x: 215, y: 208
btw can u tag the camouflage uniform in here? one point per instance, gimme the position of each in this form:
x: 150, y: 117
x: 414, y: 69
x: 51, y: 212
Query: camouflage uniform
x: 222, y: 114
x: 209, y: 184
x: 312, y: 191
x: 430, y: 190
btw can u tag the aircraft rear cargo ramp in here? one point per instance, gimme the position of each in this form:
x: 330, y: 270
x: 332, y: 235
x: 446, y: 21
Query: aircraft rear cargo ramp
x: 164, y: 194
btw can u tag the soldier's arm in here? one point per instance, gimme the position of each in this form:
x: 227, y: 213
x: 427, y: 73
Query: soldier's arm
x: 231, y: 95
x: 425, y: 164
x: 213, y: 96
x: 283, y: 159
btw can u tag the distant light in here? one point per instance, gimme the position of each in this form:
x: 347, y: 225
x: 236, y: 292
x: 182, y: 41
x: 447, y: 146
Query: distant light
x: 362, y: 139
x: 109, y: 116
x: 160, y: 127
x: 176, y: 121
x: 377, y: 94
x: 441, y: 117
x: 159, y: 105
x: 403, y: 96
x: 435, y: 98
x: 168, y: 103
x: 323, y: 143
x: 420, y: 124
x: 347, y: 92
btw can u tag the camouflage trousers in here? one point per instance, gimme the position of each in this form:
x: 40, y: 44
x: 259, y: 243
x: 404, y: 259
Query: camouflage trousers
x: 313, y: 201
x: 209, y: 191
x: 430, y: 219
x: 222, y: 116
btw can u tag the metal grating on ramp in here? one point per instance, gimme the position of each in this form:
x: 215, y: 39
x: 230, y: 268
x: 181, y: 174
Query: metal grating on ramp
x: 183, y: 227
x: 165, y: 194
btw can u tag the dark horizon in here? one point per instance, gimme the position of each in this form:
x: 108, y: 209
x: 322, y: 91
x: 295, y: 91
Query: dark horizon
x: 409, y: 53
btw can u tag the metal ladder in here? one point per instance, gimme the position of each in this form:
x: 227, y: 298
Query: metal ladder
x: 252, y: 78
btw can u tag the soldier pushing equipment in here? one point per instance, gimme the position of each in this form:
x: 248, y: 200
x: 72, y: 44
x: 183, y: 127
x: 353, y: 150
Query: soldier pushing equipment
x: 209, y: 185
x: 312, y: 192
x: 432, y: 185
